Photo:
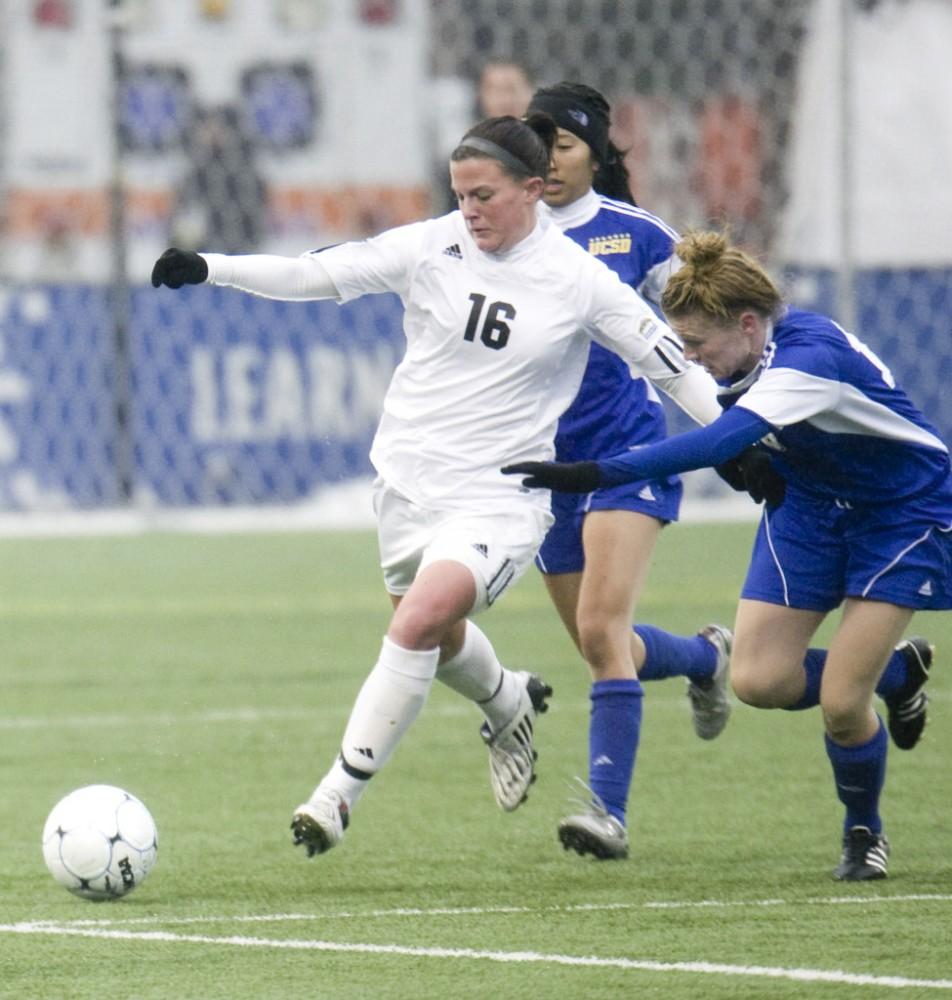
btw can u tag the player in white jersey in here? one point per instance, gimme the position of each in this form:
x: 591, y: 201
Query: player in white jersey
x: 866, y: 521
x: 500, y: 308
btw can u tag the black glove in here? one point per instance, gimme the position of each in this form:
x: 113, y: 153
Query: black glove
x: 566, y: 477
x: 179, y: 267
x: 753, y: 472
x: 732, y: 474
x: 764, y: 483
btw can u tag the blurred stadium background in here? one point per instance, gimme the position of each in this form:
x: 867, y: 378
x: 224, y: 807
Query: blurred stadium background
x: 817, y: 129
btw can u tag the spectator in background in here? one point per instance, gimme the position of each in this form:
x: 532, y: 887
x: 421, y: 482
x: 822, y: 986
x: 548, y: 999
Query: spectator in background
x: 223, y: 200
x: 504, y: 88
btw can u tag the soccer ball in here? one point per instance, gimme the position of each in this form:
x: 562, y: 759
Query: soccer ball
x: 100, y: 842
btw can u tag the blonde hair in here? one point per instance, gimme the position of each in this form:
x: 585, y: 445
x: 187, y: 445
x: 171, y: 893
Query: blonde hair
x: 718, y: 279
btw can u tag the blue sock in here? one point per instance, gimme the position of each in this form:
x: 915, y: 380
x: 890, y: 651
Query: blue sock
x: 613, y: 732
x: 893, y: 678
x: 813, y: 667
x: 859, y: 773
x: 668, y: 655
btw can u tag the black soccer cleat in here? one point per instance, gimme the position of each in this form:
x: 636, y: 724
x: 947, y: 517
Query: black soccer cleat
x: 539, y: 693
x: 864, y: 856
x: 906, y: 709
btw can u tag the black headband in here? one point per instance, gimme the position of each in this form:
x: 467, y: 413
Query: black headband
x: 488, y: 148
x: 574, y: 116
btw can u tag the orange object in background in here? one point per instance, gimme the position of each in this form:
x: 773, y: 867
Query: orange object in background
x: 53, y: 13
x: 215, y: 10
x: 730, y: 166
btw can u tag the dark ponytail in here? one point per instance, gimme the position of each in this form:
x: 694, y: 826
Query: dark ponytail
x: 612, y: 179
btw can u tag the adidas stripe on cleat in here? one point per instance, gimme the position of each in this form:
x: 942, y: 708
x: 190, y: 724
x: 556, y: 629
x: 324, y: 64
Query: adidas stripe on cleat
x: 512, y: 755
x: 864, y: 856
x: 907, y: 708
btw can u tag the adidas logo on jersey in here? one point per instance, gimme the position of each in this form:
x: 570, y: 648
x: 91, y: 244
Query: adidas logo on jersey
x: 926, y: 589
x: 483, y: 550
x: 454, y: 251
x: 646, y: 494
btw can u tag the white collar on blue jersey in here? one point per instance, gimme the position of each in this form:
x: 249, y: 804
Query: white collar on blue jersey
x: 742, y: 384
x: 581, y: 210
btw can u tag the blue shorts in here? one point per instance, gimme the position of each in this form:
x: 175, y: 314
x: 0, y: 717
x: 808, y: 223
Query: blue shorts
x: 562, y: 550
x: 812, y: 554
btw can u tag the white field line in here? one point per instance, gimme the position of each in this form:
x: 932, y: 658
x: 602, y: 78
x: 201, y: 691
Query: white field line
x: 242, y: 714
x: 479, y: 911
x: 249, y: 714
x: 348, y: 506
x: 517, y: 957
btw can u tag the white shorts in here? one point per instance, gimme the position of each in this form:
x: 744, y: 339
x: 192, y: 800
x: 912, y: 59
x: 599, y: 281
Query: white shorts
x: 497, y: 545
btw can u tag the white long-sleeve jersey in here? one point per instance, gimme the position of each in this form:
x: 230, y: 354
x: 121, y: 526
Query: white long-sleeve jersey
x: 496, y: 346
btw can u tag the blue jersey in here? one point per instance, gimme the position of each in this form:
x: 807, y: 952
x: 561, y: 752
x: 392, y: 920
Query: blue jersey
x: 841, y: 427
x: 613, y: 410
x: 868, y: 508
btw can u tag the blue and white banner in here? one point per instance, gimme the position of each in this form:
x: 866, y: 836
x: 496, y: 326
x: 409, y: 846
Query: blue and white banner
x: 233, y: 399
x: 240, y: 400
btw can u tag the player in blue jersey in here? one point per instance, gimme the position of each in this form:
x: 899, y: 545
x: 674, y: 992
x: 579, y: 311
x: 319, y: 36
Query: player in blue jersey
x: 866, y: 521
x: 595, y: 557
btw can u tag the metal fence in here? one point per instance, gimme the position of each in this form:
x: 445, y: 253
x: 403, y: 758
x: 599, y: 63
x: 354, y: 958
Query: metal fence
x: 122, y: 130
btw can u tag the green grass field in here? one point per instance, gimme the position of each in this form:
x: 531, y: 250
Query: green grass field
x: 212, y: 676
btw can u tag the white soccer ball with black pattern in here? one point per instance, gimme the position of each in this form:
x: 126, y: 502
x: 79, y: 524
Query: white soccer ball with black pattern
x: 100, y: 842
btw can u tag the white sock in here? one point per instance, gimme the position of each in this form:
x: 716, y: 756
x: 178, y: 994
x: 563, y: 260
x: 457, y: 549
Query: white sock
x: 388, y: 703
x: 476, y: 673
